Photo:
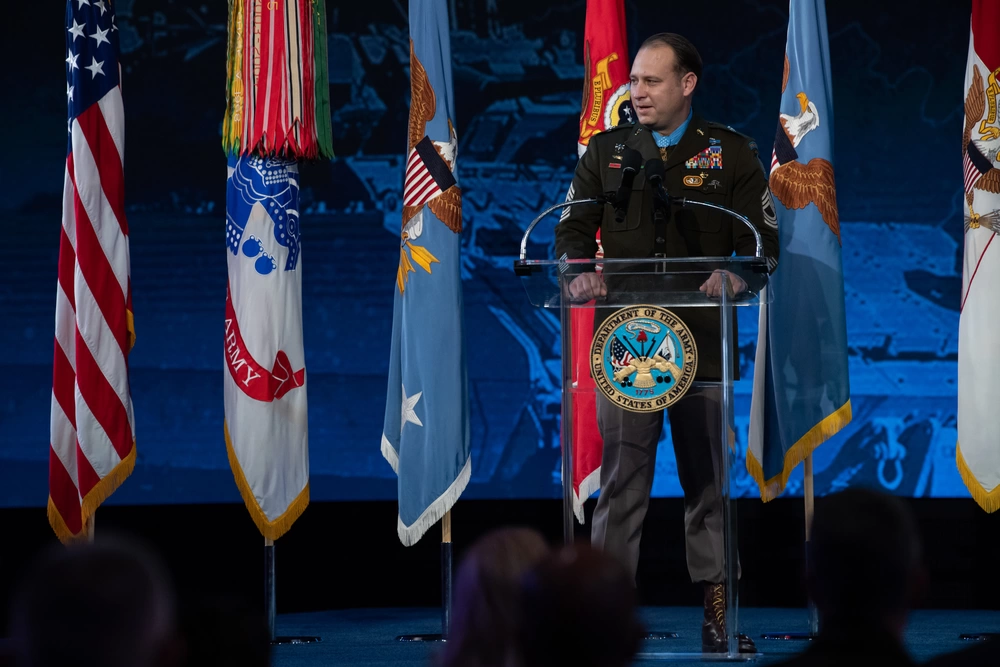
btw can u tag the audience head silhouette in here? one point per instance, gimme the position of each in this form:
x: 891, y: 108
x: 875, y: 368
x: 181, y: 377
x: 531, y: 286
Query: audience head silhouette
x: 106, y: 604
x: 864, y: 565
x: 486, y: 611
x: 580, y: 609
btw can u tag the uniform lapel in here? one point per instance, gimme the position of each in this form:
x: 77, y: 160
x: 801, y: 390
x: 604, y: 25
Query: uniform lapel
x: 694, y: 141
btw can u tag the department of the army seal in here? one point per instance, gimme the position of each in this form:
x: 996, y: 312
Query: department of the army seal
x: 643, y: 358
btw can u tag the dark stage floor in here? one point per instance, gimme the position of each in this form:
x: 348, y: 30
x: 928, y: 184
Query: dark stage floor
x: 367, y: 636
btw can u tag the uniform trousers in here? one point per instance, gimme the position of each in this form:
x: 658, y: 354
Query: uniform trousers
x: 627, y: 466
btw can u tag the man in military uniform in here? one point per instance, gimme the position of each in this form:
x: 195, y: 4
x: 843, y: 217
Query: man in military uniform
x: 703, y: 161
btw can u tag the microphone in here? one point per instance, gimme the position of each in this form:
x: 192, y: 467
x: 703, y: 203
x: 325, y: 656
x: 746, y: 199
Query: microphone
x: 654, y: 176
x: 631, y: 163
x: 655, y: 172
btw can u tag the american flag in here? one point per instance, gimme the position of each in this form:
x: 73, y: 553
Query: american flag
x: 427, y: 174
x: 975, y: 165
x: 619, y: 354
x: 92, y: 428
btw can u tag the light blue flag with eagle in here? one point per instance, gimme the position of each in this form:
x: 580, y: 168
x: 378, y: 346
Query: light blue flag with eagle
x: 801, y: 387
x: 425, y: 437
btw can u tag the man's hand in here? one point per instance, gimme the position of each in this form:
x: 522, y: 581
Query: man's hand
x: 713, y: 286
x: 587, y: 286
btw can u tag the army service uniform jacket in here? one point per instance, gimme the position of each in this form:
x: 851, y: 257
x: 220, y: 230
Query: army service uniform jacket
x: 711, y: 163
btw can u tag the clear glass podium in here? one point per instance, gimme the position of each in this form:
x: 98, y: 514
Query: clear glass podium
x: 644, y: 358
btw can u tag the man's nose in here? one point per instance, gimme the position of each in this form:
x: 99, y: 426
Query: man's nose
x: 638, y: 91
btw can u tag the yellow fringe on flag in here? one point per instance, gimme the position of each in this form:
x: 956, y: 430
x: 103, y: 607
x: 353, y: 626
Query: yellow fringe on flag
x: 816, y: 436
x: 988, y: 500
x: 130, y: 324
x: 101, y: 492
x: 107, y: 485
x: 59, y: 526
x: 272, y: 530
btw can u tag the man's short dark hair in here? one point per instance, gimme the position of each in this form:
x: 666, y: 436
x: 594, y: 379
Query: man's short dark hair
x: 863, y: 553
x: 688, y: 59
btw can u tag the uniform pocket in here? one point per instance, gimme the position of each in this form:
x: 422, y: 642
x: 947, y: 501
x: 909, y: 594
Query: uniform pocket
x: 711, y: 190
x: 636, y: 205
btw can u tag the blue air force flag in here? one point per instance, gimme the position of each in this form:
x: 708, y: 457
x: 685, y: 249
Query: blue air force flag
x: 425, y: 436
x: 801, y: 391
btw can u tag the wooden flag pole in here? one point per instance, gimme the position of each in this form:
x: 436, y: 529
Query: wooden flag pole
x: 809, y: 497
x: 446, y: 554
x: 89, y: 526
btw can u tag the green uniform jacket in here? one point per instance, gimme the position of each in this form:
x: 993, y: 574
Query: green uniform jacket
x: 739, y: 184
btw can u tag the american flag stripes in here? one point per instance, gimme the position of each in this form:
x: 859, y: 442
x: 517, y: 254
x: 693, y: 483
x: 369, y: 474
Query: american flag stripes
x: 974, y: 165
x: 620, y: 356
x: 92, y: 447
x: 427, y: 174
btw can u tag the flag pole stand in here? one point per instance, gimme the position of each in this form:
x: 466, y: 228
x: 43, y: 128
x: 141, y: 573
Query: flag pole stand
x: 89, y: 526
x: 270, y: 600
x: 809, y: 496
x: 446, y: 569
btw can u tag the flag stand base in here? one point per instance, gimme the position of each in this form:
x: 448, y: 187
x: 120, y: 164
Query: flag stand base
x: 789, y: 636
x: 295, y: 640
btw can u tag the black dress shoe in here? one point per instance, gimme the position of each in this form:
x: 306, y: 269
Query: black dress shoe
x: 713, y: 628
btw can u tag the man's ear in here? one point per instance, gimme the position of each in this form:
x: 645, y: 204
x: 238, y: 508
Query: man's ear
x: 689, y: 81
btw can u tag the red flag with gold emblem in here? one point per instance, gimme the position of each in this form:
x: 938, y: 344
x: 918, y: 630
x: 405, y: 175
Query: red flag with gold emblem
x: 606, y: 104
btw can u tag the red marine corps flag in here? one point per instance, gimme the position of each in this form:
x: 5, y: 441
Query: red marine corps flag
x: 606, y: 103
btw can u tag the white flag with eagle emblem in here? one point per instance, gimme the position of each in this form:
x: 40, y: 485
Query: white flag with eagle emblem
x: 978, y: 451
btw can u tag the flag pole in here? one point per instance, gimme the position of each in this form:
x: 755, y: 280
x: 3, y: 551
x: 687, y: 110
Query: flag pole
x: 89, y: 526
x: 809, y: 499
x: 446, y: 553
x: 808, y: 495
x: 271, y: 601
x: 446, y: 568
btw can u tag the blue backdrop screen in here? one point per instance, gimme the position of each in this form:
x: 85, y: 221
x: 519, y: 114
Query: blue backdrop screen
x: 518, y: 82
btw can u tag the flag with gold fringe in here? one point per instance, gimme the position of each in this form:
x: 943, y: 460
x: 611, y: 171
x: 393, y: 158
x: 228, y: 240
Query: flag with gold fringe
x: 977, y: 452
x: 801, y: 394
x: 92, y: 426
x: 277, y: 89
x: 278, y: 113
